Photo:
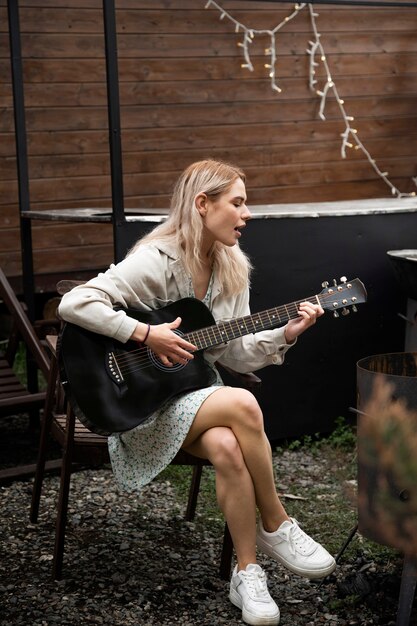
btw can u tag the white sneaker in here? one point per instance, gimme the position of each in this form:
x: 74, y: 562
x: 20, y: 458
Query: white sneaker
x: 292, y: 547
x: 249, y: 592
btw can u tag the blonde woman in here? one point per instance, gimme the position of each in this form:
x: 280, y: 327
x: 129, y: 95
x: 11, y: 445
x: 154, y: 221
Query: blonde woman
x: 196, y: 253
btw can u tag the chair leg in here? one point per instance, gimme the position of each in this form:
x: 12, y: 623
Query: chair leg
x: 193, y: 493
x: 32, y: 385
x: 43, y: 442
x: 227, y: 554
x: 61, y: 519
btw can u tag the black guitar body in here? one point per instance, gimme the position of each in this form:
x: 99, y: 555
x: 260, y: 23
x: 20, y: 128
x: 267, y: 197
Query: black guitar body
x: 106, y: 402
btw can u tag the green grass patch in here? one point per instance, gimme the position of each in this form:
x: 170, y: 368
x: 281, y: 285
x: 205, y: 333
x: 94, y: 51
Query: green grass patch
x: 20, y: 365
x: 343, y: 436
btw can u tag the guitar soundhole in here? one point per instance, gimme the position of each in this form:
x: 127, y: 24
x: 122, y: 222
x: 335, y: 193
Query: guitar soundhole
x: 165, y: 368
x: 175, y: 367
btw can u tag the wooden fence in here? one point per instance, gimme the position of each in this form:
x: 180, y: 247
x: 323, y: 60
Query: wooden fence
x: 184, y: 96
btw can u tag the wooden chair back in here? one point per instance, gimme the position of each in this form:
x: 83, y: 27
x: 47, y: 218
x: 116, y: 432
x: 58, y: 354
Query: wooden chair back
x: 17, y: 396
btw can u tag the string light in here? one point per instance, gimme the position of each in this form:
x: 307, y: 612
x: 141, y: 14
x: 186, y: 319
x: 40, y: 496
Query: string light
x: 350, y: 138
x: 250, y: 33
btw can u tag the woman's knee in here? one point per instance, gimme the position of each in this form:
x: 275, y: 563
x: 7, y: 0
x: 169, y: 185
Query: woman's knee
x: 247, y: 410
x: 227, y: 455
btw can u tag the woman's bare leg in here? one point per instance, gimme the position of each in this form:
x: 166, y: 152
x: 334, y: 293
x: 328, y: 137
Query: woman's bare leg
x: 238, y: 410
x: 234, y: 488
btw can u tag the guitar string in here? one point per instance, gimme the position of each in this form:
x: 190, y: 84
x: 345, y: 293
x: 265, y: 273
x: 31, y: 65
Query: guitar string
x: 141, y: 357
x: 263, y: 317
x: 203, y: 332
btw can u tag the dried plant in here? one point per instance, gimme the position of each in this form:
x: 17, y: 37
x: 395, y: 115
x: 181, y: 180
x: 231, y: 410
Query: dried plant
x: 387, y: 457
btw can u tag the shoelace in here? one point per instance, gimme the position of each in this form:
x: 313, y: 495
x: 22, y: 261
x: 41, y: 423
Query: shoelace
x: 297, y: 538
x: 256, y: 585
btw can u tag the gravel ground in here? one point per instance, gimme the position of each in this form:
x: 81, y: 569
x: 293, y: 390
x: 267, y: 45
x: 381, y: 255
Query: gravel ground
x: 133, y: 560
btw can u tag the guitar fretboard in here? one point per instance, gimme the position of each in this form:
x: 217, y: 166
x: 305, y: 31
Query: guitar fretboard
x: 265, y: 320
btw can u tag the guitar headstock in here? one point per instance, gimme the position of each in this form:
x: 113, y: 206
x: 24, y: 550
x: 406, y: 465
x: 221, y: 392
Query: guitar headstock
x: 342, y: 295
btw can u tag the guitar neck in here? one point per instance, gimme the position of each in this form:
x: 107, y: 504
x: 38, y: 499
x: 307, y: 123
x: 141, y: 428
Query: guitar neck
x: 265, y: 320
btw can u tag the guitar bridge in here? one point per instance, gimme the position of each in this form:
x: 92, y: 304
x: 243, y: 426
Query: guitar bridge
x: 114, y: 369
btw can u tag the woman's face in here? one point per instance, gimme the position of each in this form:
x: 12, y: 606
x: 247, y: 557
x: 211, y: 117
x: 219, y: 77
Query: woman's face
x: 225, y: 216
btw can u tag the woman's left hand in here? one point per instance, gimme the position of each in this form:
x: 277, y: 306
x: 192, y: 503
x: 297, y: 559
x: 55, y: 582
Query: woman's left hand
x: 308, y: 316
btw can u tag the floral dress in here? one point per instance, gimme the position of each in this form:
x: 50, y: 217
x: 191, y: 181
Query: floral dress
x: 138, y: 455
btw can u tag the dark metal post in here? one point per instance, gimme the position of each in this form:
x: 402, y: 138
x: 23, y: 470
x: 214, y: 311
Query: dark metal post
x: 407, y: 591
x: 113, y: 103
x: 21, y: 156
x: 23, y: 186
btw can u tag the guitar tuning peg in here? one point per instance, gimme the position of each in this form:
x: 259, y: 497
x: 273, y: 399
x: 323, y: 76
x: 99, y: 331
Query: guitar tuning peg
x: 345, y: 311
x: 343, y: 279
x: 335, y: 314
x: 325, y: 284
x: 334, y: 282
x: 354, y: 308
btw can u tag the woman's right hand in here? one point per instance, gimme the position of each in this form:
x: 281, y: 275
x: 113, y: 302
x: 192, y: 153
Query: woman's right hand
x: 169, y: 347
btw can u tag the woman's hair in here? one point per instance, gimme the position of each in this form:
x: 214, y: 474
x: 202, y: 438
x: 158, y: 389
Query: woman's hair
x: 184, y: 225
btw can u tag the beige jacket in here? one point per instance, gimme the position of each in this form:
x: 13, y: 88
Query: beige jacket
x: 151, y: 278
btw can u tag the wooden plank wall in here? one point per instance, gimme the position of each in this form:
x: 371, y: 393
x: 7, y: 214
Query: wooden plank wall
x: 184, y: 96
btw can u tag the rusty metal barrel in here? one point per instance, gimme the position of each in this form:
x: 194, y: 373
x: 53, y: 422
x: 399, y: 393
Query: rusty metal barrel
x: 397, y: 368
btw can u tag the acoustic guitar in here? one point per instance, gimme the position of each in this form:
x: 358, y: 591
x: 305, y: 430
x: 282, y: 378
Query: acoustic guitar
x: 115, y: 386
